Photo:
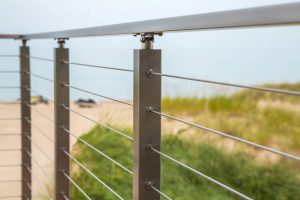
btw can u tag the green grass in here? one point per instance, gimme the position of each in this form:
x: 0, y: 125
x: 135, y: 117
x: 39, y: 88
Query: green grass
x: 254, y: 95
x: 237, y: 170
x: 265, y: 118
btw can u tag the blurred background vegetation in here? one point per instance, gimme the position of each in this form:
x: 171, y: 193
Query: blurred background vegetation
x: 265, y: 118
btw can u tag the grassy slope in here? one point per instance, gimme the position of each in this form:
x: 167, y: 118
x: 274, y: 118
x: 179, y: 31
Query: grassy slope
x: 271, y: 125
x: 266, y: 118
x: 235, y: 170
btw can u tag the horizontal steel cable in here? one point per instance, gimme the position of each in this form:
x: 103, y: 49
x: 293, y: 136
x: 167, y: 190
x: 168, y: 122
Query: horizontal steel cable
x: 9, y: 134
x: 41, y: 150
x: 39, y: 130
x: 10, y: 197
x: 229, y: 84
x: 158, y: 191
x: 39, y: 166
x: 202, y: 175
x: 39, y: 183
x: 10, y: 118
x: 35, y: 196
x: 29, y: 186
x: 39, y: 112
x: 9, y: 87
x: 9, y: 71
x: 37, y: 93
x: 97, y: 66
x: 99, y: 95
x: 39, y: 76
x: 103, y: 125
x: 12, y: 165
x: 40, y: 58
x: 10, y: 181
x: 98, y: 151
x: 8, y: 150
x: 230, y: 136
x: 93, y: 175
x: 64, y: 195
x: 76, y: 185
x: 9, y: 55
x: 9, y: 103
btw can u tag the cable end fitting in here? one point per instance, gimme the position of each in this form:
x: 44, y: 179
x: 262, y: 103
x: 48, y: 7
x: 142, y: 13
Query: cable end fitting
x: 150, y: 109
x: 149, y: 72
x: 63, y: 84
x: 63, y: 61
x: 149, y: 147
x: 149, y: 185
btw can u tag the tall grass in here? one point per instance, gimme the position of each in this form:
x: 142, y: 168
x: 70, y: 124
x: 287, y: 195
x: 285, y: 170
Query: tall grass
x: 237, y: 170
x: 265, y: 118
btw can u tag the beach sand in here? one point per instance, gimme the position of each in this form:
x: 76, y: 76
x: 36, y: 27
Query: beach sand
x: 104, y: 112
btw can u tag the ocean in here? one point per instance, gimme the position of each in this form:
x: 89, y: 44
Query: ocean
x: 246, y: 56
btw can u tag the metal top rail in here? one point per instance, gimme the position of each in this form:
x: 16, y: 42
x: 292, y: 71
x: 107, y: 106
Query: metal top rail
x: 272, y: 15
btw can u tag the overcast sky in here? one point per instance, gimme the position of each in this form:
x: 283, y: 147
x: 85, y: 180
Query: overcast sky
x: 26, y: 16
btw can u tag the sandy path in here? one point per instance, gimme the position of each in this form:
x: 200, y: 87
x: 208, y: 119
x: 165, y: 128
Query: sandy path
x: 104, y: 111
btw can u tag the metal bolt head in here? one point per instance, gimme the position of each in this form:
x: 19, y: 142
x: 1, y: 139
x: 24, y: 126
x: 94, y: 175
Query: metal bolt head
x: 149, y: 185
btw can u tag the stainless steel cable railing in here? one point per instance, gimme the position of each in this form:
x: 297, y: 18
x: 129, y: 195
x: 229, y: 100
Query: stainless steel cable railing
x: 39, y: 183
x: 3, y: 56
x: 9, y: 118
x: 147, y: 91
x: 9, y: 150
x: 98, y: 66
x: 150, y: 185
x: 35, y: 92
x: 101, y: 124
x: 28, y: 185
x: 10, y: 134
x: 11, y: 165
x: 9, y: 87
x: 64, y: 195
x: 202, y: 175
x: 228, y: 136
x: 40, y: 148
x: 93, y: 175
x: 40, y: 167
x: 81, y: 64
x: 39, y: 76
x: 40, y: 113
x: 97, y: 150
x: 9, y: 103
x: 40, y: 58
x: 7, y: 181
x: 9, y: 71
x: 10, y: 196
x: 77, y: 186
x: 95, y: 94
x: 264, y: 89
x: 40, y: 131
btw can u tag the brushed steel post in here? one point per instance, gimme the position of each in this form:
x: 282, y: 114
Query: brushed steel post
x: 147, y: 126
x: 25, y: 126
x: 62, y: 119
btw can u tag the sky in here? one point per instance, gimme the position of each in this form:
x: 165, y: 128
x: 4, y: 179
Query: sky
x: 248, y: 56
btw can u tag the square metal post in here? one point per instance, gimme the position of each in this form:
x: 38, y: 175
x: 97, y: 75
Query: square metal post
x: 62, y: 119
x: 147, y: 126
x: 25, y: 126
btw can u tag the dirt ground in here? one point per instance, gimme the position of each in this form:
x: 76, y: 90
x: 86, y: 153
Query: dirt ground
x: 104, y: 112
